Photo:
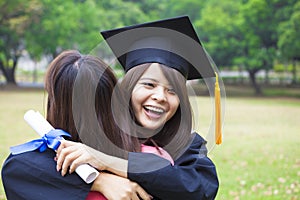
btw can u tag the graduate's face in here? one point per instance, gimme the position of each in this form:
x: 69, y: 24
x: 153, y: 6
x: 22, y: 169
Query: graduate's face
x: 153, y: 99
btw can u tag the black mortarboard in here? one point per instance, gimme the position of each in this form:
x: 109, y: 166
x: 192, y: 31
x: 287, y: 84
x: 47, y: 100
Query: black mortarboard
x: 172, y: 42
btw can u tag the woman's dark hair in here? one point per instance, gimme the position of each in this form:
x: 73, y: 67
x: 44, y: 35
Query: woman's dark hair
x: 79, y: 90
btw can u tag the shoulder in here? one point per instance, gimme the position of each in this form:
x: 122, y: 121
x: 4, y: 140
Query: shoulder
x: 197, y: 146
x: 198, y: 140
x: 30, y: 167
x: 30, y: 160
x: 36, y: 171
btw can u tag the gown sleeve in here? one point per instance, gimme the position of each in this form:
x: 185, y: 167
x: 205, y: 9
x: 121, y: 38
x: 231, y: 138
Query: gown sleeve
x: 33, y: 175
x: 193, y: 175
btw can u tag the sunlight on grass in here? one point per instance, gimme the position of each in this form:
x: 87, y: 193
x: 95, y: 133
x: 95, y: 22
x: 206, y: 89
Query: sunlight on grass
x: 258, y: 160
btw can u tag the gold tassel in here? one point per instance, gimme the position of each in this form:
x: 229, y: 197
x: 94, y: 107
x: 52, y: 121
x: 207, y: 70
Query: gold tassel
x: 218, y: 130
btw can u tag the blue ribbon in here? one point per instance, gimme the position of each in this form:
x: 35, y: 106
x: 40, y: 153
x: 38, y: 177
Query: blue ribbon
x: 50, y: 140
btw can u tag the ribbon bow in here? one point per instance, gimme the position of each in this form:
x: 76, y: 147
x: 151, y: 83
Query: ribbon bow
x: 50, y: 140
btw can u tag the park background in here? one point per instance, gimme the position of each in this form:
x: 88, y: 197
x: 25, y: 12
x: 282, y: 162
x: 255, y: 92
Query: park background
x: 254, y: 43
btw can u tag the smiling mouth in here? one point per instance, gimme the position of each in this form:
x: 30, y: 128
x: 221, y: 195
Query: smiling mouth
x: 154, y: 112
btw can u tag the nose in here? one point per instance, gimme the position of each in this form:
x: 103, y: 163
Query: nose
x: 159, y: 94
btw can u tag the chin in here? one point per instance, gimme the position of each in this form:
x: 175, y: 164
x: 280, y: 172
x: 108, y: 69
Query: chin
x: 152, y: 127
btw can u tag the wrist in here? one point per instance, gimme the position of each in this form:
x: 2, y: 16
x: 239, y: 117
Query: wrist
x: 97, y: 184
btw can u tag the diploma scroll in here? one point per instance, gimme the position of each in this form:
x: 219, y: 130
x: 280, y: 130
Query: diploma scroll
x: 42, y: 126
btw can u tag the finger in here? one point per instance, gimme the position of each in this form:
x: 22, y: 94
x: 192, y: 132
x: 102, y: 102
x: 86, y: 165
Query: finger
x: 68, y: 162
x: 59, y: 161
x: 61, y: 146
x: 76, y: 162
x: 134, y: 196
x: 82, y: 156
x: 135, y: 189
x: 61, y: 157
x: 128, y: 197
x: 142, y: 193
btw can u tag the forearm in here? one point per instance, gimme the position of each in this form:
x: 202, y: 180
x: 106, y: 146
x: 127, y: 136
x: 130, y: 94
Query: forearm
x: 192, y: 177
x: 195, y: 181
x: 115, y: 187
x: 115, y: 165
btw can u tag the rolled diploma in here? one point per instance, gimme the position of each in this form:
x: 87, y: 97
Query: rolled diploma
x: 42, y: 126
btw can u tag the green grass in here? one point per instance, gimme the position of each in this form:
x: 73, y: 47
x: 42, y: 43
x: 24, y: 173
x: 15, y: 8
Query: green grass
x: 13, y: 129
x: 259, y: 157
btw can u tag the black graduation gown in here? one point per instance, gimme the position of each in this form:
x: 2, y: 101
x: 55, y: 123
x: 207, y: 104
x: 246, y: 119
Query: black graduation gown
x: 33, y: 176
x: 192, y: 177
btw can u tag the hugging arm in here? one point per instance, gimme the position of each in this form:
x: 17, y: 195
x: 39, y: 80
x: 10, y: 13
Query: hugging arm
x: 192, y: 177
x: 72, y: 154
x: 112, y: 186
x: 33, y: 175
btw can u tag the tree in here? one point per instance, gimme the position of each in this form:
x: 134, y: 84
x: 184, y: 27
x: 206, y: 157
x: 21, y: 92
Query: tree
x: 46, y: 27
x: 77, y: 24
x: 58, y: 27
x: 151, y: 9
x: 259, y: 38
x: 243, y: 33
x: 289, y: 34
x: 14, y: 18
x: 219, y: 33
x: 192, y: 8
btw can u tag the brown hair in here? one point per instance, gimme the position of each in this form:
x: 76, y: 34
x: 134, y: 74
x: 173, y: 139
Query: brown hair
x: 79, y: 101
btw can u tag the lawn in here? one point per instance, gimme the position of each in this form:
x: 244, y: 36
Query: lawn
x: 259, y: 157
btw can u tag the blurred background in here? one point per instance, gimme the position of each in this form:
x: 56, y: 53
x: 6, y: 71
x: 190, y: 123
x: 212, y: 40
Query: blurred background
x: 254, y: 43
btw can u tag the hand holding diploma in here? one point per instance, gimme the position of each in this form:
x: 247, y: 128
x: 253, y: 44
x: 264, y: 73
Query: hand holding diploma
x: 50, y: 138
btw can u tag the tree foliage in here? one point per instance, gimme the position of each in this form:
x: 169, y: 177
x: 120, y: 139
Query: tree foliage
x: 251, y: 34
x: 14, y: 19
x: 289, y: 34
x: 244, y: 33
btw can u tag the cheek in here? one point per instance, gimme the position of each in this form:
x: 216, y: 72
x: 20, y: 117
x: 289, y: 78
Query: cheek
x: 135, y: 107
x: 174, y: 104
x: 136, y: 101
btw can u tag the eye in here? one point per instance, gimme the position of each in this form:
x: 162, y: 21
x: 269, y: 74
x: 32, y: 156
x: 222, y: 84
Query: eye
x: 148, y: 84
x: 171, y: 91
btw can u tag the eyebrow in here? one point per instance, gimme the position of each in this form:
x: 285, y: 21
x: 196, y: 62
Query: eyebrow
x: 152, y: 79
x: 156, y: 81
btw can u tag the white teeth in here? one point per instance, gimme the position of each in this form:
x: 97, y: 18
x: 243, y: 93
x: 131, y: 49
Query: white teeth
x: 154, y: 109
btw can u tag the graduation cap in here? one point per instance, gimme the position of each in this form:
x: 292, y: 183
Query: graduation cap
x: 172, y: 42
